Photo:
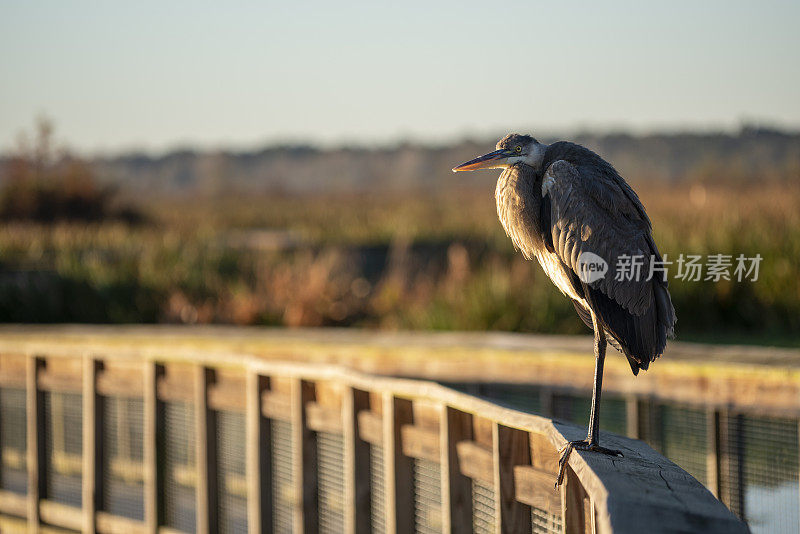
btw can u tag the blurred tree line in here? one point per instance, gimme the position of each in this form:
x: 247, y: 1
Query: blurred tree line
x: 751, y: 154
x: 44, y: 184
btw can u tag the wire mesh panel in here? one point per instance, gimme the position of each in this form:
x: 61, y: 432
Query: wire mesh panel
x: 543, y: 522
x: 178, y: 466
x: 567, y: 407
x: 330, y: 462
x: 231, y: 472
x: 679, y: 433
x: 572, y: 408
x: 427, y: 497
x: 520, y: 397
x: 282, y: 492
x: 377, y: 491
x: 684, y: 439
x: 483, y: 513
x: 123, y: 452
x: 13, y: 441
x: 576, y: 409
x: 63, y: 443
x: 613, y: 415
x: 770, y: 473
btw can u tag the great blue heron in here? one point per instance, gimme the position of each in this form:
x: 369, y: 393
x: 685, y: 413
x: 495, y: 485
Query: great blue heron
x: 570, y: 209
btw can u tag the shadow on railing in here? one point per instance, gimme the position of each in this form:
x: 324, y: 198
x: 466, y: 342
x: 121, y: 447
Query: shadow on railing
x: 126, y: 442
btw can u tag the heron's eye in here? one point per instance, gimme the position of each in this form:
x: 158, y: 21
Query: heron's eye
x: 517, y: 149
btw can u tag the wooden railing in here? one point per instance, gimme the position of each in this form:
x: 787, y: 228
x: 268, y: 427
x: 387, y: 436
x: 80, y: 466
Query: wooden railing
x: 223, y: 442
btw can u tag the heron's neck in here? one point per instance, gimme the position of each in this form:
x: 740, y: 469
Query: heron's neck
x: 535, y: 158
x: 518, y: 207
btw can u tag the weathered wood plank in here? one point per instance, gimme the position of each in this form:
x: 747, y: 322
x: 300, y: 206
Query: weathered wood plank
x: 544, y: 455
x: 574, y: 502
x: 35, y: 439
x: 420, y: 442
x: 475, y: 461
x: 398, y: 474
x: 370, y: 426
x: 176, y: 383
x: 259, y: 487
x: 632, y: 417
x: 482, y: 430
x: 113, y: 524
x: 356, y: 464
x: 13, y: 503
x: 91, y: 477
x: 12, y: 370
x: 455, y: 428
x: 320, y: 418
x: 537, y: 488
x: 50, y: 380
x: 329, y: 394
x: 304, y: 448
x: 227, y: 391
x: 591, y: 517
x: 426, y: 415
x: 150, y: 445
x: 60, y: 515
x: 712, y: 452
x: 14, y: 525
x: 120, y: 378
x: 276, y: 405
x: 205, y: 452
x: 511, y: 448
x: 731, y: 461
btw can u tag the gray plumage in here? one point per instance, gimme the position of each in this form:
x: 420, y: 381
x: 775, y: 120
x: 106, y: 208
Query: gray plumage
x: 576, y: 202
x: 561, y: 203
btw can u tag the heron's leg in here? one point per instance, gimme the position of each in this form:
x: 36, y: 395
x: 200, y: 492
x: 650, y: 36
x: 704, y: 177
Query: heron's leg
x: 591, y: 441
x: 600, y: 344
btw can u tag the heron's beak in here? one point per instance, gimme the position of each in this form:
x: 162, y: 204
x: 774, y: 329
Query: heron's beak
x: 492, y: 160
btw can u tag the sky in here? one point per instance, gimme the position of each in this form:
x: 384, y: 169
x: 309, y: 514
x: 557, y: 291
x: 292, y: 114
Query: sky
x: 146, y: 75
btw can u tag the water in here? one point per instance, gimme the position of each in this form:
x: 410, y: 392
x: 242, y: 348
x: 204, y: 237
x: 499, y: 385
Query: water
x: 773, y: 510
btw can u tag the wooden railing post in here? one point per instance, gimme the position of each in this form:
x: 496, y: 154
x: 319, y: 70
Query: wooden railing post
x: 91, y: 478
x: 632, y: 417
x: 397, y: 468
x: 511, y: 447
x: 206, y: 442
x: 150, y: 445
x: 546, y: 399
x: 304, y: 453
x: 356, y: 464
x: 576, y: 507
x: 454, y: 426
x: 35, y: 452
x: 259, y: 507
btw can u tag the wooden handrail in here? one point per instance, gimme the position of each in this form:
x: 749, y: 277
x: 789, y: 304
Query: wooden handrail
x: 470, y: 439
x: 726, y: 377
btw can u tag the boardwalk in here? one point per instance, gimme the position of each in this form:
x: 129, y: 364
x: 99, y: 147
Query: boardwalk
x: 210, y: 430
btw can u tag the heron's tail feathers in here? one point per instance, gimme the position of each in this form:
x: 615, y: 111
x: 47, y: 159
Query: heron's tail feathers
x: 641, y: 338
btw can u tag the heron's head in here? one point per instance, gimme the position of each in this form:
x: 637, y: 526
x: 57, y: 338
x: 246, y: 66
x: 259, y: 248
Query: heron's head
x: 510, y: 150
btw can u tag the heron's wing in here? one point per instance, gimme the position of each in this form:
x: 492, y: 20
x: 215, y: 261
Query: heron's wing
x: 591, y: 213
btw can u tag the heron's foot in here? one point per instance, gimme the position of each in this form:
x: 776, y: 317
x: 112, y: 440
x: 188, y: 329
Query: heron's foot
x: 581, y: 445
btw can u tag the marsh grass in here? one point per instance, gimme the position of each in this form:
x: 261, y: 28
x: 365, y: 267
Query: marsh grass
x: 422, y: 260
